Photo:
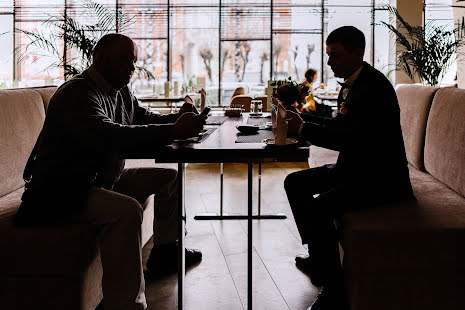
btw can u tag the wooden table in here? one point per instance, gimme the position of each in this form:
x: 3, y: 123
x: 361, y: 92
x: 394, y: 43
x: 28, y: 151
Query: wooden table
x: 328, y: 99
x: 220, y: 147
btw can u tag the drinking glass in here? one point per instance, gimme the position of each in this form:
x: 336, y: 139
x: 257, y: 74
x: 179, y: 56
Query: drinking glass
x: 259, y: 107
x: 256, y: 106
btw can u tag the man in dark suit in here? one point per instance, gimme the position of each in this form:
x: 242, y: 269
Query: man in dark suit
x: 371, y: 168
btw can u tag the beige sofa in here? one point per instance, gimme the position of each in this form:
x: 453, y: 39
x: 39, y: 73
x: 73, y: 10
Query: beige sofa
x: 412, y: 256
x: 43, y: 267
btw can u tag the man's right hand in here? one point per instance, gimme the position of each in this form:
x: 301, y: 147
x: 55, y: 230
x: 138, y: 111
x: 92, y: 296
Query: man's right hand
x: 294, y: 121
x: 203, y: 95
x: 188, y: 125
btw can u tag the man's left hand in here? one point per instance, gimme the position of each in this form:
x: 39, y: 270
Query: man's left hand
x: 188, y: 125
x: 188, y: 106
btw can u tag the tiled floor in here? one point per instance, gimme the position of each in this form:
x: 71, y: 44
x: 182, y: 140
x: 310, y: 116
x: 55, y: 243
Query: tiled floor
x: 220, y: 280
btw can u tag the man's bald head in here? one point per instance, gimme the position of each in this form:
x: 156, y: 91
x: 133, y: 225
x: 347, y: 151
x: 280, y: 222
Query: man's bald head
x: 114, y: 57
x: 108, y: 43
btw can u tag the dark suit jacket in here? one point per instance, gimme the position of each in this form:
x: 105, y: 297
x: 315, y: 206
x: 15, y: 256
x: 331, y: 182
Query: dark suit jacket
x: 372, y: 158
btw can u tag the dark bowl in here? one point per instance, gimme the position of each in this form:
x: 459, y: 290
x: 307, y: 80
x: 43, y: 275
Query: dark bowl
x: 248, y: 129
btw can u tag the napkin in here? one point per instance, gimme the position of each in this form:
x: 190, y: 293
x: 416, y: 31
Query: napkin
x: 279, y: 124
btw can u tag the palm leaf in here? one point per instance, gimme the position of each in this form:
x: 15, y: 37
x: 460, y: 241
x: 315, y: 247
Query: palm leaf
x: 77, y: 37
x: 426, y: 53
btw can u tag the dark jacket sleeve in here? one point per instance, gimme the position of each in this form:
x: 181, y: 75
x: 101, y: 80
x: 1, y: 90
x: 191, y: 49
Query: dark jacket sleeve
x: 327, y: 133
x: 87, y: 120
x: 316, y: 119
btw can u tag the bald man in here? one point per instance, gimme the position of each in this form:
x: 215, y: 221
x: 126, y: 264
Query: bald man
x: 75, y: 172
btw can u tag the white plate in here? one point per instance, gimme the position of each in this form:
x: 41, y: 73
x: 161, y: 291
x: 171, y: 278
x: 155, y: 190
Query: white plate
x: 289, y: 141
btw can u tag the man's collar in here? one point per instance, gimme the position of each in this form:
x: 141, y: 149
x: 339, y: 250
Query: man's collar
x: 100, y: 81
x: 351, y: 79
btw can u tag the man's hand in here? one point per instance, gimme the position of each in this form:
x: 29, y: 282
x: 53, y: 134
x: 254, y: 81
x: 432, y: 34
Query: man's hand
x: 188, y: 125
x: 203, y: 95
x: 294, y: 121
x: 188, y: 106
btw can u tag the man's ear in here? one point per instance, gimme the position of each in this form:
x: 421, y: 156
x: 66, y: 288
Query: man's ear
x: 359, y: 52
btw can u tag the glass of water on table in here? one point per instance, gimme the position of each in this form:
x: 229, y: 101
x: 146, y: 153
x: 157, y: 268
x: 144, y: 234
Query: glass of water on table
x: 256, y: 107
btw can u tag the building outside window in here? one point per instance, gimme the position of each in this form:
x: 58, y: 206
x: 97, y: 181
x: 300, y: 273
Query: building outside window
x: 218, y: 44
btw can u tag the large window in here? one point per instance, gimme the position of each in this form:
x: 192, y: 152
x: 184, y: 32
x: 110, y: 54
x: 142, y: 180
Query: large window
x: 216, y: 44
x: 440, y: 13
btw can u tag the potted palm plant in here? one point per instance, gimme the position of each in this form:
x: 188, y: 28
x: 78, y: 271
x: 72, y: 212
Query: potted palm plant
x: 78, y: 38
x: 426, y: 52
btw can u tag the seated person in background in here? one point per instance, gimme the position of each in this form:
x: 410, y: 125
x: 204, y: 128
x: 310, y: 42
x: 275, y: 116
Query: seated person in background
x: 75, y: 172
x: 310, y: 78
x: 371, y: 168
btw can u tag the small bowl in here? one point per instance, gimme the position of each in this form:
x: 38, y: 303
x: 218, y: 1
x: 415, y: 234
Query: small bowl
x: 248, y: 129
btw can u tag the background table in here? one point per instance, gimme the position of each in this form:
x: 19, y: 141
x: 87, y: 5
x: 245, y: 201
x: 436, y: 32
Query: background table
x: 171, y: 101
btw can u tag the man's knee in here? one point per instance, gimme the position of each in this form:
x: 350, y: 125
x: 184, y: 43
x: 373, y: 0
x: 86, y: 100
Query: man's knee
x: 128, y: 209
x: 172, y: 174
x: 291, y: 181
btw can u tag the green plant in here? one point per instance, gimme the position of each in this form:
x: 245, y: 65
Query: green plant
x: 79, y: 39
x: 426, y: 52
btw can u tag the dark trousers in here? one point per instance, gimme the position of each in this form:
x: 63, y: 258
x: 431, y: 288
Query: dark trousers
x: 314, y: 215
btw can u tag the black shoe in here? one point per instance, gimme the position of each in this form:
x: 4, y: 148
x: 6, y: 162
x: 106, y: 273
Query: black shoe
x: 316, y: 273
x: 163, y: 259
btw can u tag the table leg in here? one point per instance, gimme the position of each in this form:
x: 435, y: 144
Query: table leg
x: 249, y: 235
x: 226, y: 216
x: 181, y: 232
x: 221, y: 188
x: 259, y: 189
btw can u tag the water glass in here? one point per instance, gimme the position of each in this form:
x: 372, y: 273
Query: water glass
x: 256, y: 106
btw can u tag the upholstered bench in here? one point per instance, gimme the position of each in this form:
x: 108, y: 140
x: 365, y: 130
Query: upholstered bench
x: 44, y: 266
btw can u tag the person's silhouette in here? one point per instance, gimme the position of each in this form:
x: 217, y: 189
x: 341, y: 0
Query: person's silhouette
x: 371, y: 168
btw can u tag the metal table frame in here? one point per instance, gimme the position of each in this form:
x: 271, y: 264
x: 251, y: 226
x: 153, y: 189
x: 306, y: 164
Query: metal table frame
x: 221, y: 147
x: 227, y: 216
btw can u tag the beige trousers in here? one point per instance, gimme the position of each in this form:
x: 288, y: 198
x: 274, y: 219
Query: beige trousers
x: 119, y: 213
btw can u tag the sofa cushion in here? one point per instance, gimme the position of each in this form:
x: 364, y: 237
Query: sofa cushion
x: 43, y: 250
x: 70, y: 291
x: 445, y: 138
x: 21, y: 119
x: 414, y: 102
x: 421, y: 235
x: 9, y: 203
x: 46, y: 250
x: 46, y: 93
x: 75, y: 236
